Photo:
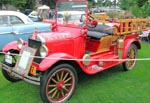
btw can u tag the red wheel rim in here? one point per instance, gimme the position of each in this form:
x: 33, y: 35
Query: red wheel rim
x: 131, y: 55
x: 60, y: 85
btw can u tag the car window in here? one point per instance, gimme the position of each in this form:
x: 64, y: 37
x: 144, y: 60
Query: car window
x: 76, y: 17
x: 60, y: 16
x: 15, y: 20
x: 3, y: 20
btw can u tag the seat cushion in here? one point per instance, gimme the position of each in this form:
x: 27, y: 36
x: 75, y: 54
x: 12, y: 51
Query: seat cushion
x: 96, y: 35
x: 103, y: 29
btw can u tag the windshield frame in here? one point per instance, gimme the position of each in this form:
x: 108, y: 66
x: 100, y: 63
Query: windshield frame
x: 57, y: 11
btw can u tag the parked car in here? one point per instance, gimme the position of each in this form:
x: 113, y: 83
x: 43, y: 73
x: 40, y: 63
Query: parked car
x: 27, y: 11
x: 40, y: 13
x: 14, y: 25
x: 74, y: 16
x: 145, y: 36
x: 33, y: 16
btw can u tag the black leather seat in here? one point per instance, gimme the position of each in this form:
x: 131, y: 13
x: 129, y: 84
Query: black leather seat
x: 100, y: 31
x: 96, y: 35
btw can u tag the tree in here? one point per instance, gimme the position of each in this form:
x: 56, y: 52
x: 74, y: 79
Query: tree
x: 134, y: 6
x: 4, y: 2
x: 107, y: 3
x: 141, y: 2
x: 50, y: 3
x: 30, y: 4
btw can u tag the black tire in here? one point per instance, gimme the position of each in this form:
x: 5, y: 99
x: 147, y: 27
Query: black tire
x: 9, y: 76
x: 58, y: 85
x: 131, y: 54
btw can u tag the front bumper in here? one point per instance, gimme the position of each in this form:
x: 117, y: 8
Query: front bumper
x: 27, y: 78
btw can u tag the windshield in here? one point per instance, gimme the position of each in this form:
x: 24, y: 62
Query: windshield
x: 70, y: 12
x: 71, y: 6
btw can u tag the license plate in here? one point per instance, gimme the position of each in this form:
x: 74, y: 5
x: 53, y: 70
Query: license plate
x: 8, y: 59
x: 33, y: 70
x: 24, y: 60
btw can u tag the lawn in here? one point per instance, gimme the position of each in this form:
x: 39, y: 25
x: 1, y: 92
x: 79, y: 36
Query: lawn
x: 111, y: 86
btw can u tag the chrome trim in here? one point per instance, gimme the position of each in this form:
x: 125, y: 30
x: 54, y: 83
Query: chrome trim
x: 96, y: 67
x: 32, y: 80
x: 24, y: 32
x: 20, y: 43
x: 5, y: 33
x: 41, y: 39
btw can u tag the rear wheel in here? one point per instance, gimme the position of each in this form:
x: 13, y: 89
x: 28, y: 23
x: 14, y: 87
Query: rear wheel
x: 131, y: 54
x: 9, y: 76
x: 58, y: 85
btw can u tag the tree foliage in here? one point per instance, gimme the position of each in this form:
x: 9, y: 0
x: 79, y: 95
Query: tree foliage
x: 20, y: 4
x: 3, y: 2
x: 139, y: 8
x: 141, y: 2
x: 50, y: 3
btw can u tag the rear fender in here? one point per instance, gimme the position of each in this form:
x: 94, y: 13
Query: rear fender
x: 52, y: 59
x: 127, y: 45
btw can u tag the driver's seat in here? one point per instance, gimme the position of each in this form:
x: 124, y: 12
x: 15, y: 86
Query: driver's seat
x: 96, y: 35
x: 100, y: 31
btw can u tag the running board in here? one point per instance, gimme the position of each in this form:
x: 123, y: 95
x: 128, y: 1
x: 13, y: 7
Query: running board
x: 102, y: 62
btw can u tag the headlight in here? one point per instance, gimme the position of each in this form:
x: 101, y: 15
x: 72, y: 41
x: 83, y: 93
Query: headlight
x: 20, y: 43
x: 43, y: 51
x: 40, y: 38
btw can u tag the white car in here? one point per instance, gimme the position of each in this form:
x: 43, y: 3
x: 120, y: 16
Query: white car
x: 75, y: 16
x: 33, y: 14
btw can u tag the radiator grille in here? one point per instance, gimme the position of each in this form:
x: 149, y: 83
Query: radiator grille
x: 35, y: 44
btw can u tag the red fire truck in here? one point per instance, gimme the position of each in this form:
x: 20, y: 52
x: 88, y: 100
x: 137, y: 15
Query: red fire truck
x: 76, y: 42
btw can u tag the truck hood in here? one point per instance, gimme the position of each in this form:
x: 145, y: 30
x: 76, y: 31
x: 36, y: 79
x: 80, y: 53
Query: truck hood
x: 53, y: 36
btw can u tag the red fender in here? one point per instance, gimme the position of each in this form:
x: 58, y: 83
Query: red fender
x: 52, y: 59
x: 12, y: 45
x: 9, y: 46
x: 128, y: 42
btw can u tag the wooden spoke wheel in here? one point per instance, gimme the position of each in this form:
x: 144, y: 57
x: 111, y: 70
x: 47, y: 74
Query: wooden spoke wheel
x: 59, y: 84
x: 131, y: 54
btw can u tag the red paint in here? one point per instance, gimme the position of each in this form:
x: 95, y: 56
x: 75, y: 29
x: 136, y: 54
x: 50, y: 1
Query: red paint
x: 71, y: 42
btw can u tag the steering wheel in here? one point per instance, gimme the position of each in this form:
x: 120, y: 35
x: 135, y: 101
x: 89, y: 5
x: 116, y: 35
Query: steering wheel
x: 92, y: 22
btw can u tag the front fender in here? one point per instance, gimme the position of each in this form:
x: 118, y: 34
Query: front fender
x: 127, y: 45
x: 52, y: 59
x: 10, y: 46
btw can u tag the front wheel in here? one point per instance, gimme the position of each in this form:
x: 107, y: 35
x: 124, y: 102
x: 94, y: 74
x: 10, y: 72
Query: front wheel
x: 131, y: 54
x: 9, y: 76
x: 58, y: 85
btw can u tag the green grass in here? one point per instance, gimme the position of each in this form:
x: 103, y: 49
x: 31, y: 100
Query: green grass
x: 111, y: 86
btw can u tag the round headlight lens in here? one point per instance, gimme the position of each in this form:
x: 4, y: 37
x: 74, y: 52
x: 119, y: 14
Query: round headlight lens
x: 20, y: 43
x: 43, y: 51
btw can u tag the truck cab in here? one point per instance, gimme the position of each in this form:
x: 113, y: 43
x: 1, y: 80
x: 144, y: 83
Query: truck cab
x: 77, y: 42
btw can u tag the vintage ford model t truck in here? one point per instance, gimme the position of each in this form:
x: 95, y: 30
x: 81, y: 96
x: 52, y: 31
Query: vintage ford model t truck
x: 77, y: 42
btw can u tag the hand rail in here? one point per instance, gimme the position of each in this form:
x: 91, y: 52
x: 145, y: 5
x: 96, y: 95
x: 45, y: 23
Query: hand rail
x: 128, y: 26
